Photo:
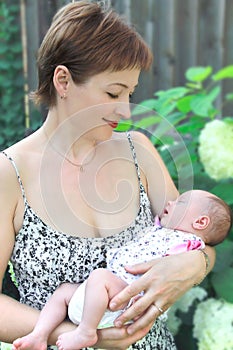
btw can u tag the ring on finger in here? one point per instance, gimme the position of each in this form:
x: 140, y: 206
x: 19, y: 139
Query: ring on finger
x: 159, y: 308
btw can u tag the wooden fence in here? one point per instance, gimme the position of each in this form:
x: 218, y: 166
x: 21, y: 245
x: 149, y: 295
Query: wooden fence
x: 181, y: 33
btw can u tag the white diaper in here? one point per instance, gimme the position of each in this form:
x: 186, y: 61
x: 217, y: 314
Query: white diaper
x: 75, y: 309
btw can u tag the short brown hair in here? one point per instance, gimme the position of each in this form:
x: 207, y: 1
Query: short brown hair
x: 88, y: 40
x: 221, y: 220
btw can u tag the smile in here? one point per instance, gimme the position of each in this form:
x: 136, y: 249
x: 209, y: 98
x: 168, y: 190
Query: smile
x: 112, y: 124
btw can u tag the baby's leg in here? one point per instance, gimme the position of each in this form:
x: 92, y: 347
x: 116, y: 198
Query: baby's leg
x: 53, y: 313
x: 102, y: 286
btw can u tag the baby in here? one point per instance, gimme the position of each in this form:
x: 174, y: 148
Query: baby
x: 195, y: 218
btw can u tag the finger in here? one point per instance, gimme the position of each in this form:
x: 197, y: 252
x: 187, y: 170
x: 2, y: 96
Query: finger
x: 115, y: 338
x: 159, y: 308
x: 125, y: 295
x: 135, y: 310
x: 140, y: 268
x: 146, y: 320
x: 111, y: 334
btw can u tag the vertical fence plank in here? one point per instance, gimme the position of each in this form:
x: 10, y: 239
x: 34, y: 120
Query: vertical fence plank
x: 186, y: 19
x: 140, y: 10
x: 210, y: 26
x: 32, y: 37
x: 164, y: 56
x: 211, y: 33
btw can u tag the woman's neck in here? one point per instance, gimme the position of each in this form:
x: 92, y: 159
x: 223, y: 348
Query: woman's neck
x: 66, y: 139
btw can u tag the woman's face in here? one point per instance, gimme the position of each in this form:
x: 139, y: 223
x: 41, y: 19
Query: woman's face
x: 103, y: 100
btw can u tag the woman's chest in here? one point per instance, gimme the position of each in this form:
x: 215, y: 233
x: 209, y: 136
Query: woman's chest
x: 90, y: 203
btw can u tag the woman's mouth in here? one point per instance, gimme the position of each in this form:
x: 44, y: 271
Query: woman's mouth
x: 112, y: 124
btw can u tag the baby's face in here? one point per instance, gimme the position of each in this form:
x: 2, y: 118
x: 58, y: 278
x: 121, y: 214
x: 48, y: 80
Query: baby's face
x: 175, y: 211
x: 179, y: 214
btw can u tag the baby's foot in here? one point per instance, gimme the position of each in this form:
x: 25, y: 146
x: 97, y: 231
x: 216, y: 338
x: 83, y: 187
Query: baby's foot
x: 76, y: 339
x: 29, y: 342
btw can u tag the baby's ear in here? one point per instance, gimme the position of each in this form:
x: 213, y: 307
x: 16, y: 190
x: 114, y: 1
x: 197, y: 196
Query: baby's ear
x: 201, y: 222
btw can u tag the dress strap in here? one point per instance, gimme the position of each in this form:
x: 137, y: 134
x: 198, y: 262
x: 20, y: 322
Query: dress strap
x: 135, y: 159
x: 18, y: 176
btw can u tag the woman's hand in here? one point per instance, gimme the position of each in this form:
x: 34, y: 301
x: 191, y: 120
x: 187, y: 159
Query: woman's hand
x: 118, y: 338
x: 163, y: 281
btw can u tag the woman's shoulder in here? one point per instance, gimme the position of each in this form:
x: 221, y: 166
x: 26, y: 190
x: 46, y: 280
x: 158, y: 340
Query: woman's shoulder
x: 21, y: 150
x: 17, y: 158
x: 137, y: 137
x: 9, y: 188
x: 144, y: 149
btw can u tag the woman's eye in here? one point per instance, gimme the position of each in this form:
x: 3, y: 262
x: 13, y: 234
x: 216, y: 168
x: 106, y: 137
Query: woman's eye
x: 112, y: 95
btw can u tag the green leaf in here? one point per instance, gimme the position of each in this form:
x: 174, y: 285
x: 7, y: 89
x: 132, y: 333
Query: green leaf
x: 194, y: 86
x: 124, y: 126
x: 148, y: 121
x: 225, y: 191
x: 192, y: 126
x: 228, y: 120
x: 144, y: 106
x: 198, y: 74
x: 223, y: 284
x: 183, y: 104
x: 4, y: 65
x: 176, y: 118
x: 229, y: 97
x: 201, y: 104
x: 224, y: 253
x: 224, y: 73
x: 165, y: 102
x: 173, y: 93
x: 16, y: 48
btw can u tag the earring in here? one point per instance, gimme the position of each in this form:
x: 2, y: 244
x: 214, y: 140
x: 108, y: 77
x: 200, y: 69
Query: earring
x: 63, y: 97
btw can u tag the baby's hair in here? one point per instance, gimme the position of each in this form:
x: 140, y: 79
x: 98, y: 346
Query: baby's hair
x: 221, y: 220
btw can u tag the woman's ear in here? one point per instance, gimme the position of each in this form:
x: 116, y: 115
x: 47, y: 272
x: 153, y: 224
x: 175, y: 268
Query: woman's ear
x: 201, y: 222
x: 61, y: 79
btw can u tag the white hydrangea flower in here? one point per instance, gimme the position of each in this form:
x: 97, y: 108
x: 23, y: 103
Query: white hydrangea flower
x: 183, y: 305
x: 213, y: 325
x: 216, y: 149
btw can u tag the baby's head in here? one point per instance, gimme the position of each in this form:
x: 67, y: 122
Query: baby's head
x: 201, y: 213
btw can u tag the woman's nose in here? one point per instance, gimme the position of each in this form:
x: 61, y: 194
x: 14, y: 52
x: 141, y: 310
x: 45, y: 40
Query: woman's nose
x: 123, y: 109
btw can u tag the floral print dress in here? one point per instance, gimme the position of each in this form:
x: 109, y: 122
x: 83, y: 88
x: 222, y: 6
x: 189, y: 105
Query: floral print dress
x: 43, y: 258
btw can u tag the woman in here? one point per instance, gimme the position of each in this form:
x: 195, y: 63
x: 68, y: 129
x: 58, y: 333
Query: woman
x: 74, y: 188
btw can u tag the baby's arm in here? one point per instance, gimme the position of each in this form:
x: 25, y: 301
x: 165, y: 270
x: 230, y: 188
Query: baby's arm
x: 53, y: 313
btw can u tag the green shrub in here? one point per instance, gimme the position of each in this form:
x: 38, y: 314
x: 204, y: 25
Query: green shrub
x: 11, y: 77
x: 12, y: 110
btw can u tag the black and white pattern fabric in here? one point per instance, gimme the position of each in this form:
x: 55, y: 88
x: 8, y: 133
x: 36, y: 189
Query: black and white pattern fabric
x: 43, y: 258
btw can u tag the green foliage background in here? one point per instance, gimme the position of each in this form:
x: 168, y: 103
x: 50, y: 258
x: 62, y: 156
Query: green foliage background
x: 12, y: 111
x: 11, y: 76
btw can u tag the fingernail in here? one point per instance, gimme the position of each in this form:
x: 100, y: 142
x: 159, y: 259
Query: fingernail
x: 118, y: 324
x: 112, y: 305
x: 129, y: 331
